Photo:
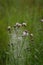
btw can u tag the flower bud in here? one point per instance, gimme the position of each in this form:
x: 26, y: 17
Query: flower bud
x: 31, y: 35
x: 18, y: 25
x: 24, y: 24
x: 41, y: 20
x: 25, y: 33
x: 9, y: 28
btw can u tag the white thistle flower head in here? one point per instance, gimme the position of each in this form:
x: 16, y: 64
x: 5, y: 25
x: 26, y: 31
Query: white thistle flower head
x: 41, y: 20
x: 18, y: 25
x: 31, y: 35
x: 25, y: 33
x: 24, y: 24
x: 9, y: 28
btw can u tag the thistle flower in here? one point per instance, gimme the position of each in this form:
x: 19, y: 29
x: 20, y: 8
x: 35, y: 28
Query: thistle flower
x: 31, y: 35
x: 24, y: 24
x: 41, y: 20
x: 18, y: 25
x: 25, y: 33
x: 9, y: 28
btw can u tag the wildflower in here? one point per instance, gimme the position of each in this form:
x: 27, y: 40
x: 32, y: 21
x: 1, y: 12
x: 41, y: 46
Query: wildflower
x: 25, y: 33
x: 41, y: 20
x: 18, y: 25
x: 24, y: 24
x: 31, y: 35
x: 9, y: 28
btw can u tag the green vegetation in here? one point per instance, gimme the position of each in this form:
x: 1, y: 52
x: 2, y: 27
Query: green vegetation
x: 30, y: 11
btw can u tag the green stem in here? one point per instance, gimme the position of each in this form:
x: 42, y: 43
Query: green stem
x: 22, y: 45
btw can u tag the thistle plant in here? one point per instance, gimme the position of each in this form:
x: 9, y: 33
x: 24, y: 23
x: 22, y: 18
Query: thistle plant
x: 18, y: 41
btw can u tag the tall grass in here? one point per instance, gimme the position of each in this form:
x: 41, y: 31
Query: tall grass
x: 30, y: 11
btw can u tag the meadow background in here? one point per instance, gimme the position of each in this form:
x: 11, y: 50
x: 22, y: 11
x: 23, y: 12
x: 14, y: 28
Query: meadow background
x: 31, y: 11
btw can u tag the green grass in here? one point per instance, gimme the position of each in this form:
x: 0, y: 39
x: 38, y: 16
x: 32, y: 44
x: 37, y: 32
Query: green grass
x: 31, y: 12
